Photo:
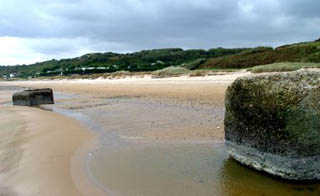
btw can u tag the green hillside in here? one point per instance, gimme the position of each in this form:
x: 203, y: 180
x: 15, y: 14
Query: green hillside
x: 301, y: 52
x: 151, y: 60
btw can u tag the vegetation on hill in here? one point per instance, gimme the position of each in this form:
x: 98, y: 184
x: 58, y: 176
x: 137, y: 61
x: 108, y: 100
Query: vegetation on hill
x: 301, y: 52
x: 157, y: 59
x: 146, y: 60
x: 283, y: 67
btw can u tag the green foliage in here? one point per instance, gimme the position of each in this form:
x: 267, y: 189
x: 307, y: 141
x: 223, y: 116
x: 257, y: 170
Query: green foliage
x: 194, y: 64
x: 145, y: 60
x: 157, y: 59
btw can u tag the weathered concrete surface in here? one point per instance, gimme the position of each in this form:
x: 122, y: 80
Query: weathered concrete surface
x: 272, y: 123
x: 33, y: 97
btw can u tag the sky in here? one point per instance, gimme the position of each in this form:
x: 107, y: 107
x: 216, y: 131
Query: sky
x: 37, y: 30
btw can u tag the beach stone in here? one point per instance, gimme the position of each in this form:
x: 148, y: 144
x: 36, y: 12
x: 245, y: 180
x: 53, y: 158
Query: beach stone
x: 272, y: 123
x: 33, y: 97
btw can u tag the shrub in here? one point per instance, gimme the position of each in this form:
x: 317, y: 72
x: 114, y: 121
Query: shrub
x: 194, y: 64
x: 198, y: 73
x: 170, y: 72
x: 121, y: 74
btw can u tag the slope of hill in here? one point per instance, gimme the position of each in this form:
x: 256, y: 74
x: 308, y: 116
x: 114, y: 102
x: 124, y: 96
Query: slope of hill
x: 300, y: 52
x: 151, y: 60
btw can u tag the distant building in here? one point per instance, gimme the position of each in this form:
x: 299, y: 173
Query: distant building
x: 101, y: 68
x: 160, y: 62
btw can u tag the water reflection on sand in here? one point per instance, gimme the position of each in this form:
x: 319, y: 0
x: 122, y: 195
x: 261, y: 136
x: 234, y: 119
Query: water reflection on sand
x: 126, y: 164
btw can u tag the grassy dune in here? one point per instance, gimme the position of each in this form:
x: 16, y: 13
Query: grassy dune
x: 170, y: 72
x: 283, y: 67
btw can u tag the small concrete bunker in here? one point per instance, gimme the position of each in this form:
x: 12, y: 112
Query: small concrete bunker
x: 33, y: 97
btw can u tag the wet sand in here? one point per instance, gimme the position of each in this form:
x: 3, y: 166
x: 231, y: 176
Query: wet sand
x: 183, y: 108
x: 154, y: 137
x: 138, y: 97
x: 36, y: 148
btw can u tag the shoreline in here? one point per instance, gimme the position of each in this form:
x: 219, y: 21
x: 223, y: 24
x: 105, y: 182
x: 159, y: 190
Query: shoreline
x: 204, y: 90
x: 224, y: 77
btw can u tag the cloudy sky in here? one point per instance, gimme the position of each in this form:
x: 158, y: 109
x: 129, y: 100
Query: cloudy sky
x: 37, y: 30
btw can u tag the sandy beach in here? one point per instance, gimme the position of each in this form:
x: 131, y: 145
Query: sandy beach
x: 130, y: 136
x: 200, y: 90
x: 38, y: 157
x: 191, y: 91
x: 43, y: 155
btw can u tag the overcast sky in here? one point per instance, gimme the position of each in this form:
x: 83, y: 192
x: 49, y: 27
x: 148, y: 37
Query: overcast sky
x: 37, y: 30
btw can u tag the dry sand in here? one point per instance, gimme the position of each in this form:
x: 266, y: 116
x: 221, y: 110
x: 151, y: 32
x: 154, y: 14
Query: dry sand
x: 201, y: 90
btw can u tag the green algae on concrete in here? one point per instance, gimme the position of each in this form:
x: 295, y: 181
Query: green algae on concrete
x: 272, y: 123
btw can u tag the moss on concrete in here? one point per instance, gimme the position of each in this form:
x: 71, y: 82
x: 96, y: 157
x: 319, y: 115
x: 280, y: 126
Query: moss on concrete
x: 275, y: 113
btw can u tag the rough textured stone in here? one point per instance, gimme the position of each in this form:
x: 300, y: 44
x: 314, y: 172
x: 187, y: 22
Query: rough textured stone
x: 33, y: 97
x: 272, y: 123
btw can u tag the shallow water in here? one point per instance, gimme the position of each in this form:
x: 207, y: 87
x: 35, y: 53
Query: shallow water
x: 6, y: 93
x: 183, y: 169
x: 123, y: 166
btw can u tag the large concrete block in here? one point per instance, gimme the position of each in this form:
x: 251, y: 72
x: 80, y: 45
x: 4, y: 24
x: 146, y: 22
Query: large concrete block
x: 272, y: 123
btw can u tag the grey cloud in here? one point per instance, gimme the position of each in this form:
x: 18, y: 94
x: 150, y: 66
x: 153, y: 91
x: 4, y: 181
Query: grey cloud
x: 130, y: 25
x: 302, y: 9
